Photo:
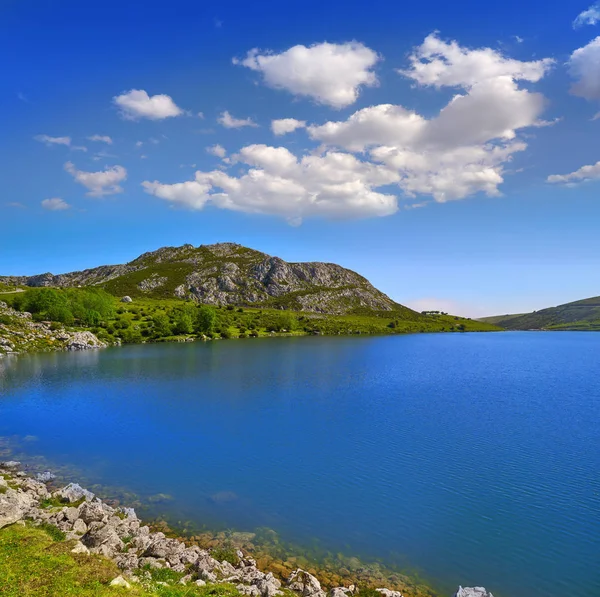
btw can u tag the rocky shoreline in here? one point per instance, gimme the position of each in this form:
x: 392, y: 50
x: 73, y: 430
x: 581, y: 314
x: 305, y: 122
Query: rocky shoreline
x: 20, y: 334
x: 118, y: 534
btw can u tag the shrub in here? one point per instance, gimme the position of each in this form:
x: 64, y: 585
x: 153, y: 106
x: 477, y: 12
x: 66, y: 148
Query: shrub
x: 161, y: 325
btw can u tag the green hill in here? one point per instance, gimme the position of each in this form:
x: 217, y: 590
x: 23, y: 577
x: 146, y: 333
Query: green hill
x: 578, y: 315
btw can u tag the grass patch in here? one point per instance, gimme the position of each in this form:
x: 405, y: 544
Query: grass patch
x: 32, y: 564
x: 53, y: 532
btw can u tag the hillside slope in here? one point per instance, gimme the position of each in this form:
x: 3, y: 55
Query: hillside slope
x: 578, y: 315
x: 230, y: 274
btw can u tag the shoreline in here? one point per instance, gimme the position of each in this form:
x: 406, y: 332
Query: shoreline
x: 95, y: 527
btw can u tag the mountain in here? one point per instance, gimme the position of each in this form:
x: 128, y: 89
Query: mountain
x: 578, y: 315
x: 230, y: 274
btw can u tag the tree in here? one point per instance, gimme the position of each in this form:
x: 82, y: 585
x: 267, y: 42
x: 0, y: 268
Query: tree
x: 205, y: 320
x: 183, y: 323
x: 161, y: 325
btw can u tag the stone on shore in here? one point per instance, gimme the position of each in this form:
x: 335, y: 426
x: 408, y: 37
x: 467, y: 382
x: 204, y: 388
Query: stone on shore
x: 472, y: 592
x: 304, y: 583
x: 73, y: 492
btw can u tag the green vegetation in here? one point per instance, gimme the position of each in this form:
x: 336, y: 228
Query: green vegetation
x: 581, y: 315
x: 33, y: 564
x: 82, y: 306
x: 159, y: 320
x: 225, y: 554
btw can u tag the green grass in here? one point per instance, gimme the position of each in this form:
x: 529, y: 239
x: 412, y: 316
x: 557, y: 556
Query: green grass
x: 33, y: 564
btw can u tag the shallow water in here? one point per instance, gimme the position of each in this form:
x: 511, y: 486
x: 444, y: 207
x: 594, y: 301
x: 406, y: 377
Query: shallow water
x: 474, y: 458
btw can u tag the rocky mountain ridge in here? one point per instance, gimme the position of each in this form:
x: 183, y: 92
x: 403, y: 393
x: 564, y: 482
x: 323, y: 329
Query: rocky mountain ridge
x: 229, y: 274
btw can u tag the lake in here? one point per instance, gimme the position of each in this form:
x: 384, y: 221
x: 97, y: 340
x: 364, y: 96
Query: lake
x: 473, y: 458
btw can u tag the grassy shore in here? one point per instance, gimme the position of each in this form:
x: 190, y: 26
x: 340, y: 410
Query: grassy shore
x: 37, y: 562
x: 160, y: 320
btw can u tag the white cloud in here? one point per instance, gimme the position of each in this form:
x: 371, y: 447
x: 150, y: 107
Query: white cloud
x: 447, y: 64
x: 331, y: 74
x: 139, y: 143
x: 462, y: 149
x: 49, y: 141
x: 101, y: 139
x: 584, y: 66
x: 105, y: 182
x: 136, y: 104
x: 591, y: 16
x: 584, y: 174
x: 229, y: 122
x: 78, y: 148
x: 217, y: 150
x: 55, y: 204
x: 276, y: 182
x: 286, y: 125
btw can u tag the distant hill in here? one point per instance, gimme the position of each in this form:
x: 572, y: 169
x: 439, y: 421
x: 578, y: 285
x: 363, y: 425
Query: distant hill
x: 579, y: 315
x: 230, y: 274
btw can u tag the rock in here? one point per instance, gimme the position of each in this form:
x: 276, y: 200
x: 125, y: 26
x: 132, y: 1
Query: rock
x: 127, y: 561
x: 79, y: 527
x: 127, y: 299
x: 73, y: 492
x: 45, y: 477
x: 251, y: 591
x: 389, y: 593
x: 91, y: 512
x: 9, y: 513
x: 83, y: 341
x: 71, y: 514
x: 80, y: 548
x: 304, y: 583
x: 120, y: 582
x: 340, y: 592
x: 10, y: 464
x: 269, y: 586
x: 200, y: 583
x: 3, y: 482
x: 103, y: 537
x: 472, y: 592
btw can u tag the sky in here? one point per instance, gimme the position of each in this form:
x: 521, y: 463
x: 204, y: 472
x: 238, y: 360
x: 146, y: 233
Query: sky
x: 447, y: 152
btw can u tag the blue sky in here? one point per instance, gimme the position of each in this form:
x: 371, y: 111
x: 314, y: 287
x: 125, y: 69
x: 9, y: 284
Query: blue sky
x: 447, y: 152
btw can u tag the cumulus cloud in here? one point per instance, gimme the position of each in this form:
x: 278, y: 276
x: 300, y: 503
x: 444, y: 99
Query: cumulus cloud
x: 584, y: 174
x: 276, y: 182
x: 331, y: 74
x: 286, y: 125
x: 229, y: 122
x: 217, y: 150
x: 55, y: 204
x: 105, y: 182
x: 447, y: 64
x: 591, y: 16
x: 584, y: 67
x: 50, y: 141
x: 137, y: 104
x: 101, y: 139
x: 462, y: 149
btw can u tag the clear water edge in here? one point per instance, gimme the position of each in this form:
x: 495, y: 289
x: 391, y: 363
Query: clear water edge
x: 472, y: 457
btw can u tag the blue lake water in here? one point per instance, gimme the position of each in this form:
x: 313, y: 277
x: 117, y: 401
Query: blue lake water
x: 474, y: 458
